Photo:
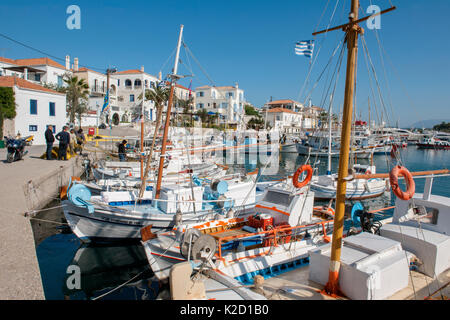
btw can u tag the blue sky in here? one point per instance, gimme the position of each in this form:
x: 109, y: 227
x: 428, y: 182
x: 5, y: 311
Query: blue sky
x: 252, y: 43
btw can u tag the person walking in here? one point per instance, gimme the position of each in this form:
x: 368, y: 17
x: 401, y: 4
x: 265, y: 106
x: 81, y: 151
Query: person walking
x: 49, y: 138
x: 122, y: 152
x: 73, y: 141
x: 64, y: 139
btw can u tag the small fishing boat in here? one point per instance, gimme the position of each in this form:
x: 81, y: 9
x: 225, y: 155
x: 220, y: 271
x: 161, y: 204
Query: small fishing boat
x: 325, y: 186
x: 119, y: 215
x: 276, y: 235
x: 433, y: 143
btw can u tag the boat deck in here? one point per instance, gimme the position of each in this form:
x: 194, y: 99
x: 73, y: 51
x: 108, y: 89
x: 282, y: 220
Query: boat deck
x: 294, y: 285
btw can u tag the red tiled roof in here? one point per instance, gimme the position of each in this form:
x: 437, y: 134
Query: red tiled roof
x: 6, y: 60
x: 133, y: 71
x: 275, y: 110
x: 39, y: 62
x: 9, y: 81
x: 178, y: 86
x: 285, y: 101
x: 84, y: 69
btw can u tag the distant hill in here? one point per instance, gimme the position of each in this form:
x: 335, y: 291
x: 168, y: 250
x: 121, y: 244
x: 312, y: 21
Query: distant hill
x: 428, y: 124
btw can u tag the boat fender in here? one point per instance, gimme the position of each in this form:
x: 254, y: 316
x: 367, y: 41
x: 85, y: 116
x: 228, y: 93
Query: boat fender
x: 79, y: 194
x: 357, y: 211
x: 308, y: 169
x: 393, y: 179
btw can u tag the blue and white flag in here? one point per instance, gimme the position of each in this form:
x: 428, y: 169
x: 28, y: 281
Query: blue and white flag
x: 106, y: 102
x: 304, y: 48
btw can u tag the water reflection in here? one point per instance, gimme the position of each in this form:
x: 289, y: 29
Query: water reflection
x: 103, y: 268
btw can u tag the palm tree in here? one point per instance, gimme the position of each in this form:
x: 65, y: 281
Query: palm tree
x: 77, y: 92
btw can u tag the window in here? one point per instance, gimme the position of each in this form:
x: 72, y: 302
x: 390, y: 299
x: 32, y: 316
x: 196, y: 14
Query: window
x: 200, y: 105
x: 118, y: 82
x: 60, y: 81
x: 51, y: 110
x: 32, y: 128
x: 95, y: 85
x: 33, y: 106
x: 128, y: 83
x: 37, y: 77
x: 131, y: 97
x: 230, y: 94
x: 200, y: 94
x: 137, y: 83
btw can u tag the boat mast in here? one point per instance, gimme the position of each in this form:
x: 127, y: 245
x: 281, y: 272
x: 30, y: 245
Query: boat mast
x: 142, y: 130
x: 352, y: 30
x: 329, y: 135
x: 173, y: 79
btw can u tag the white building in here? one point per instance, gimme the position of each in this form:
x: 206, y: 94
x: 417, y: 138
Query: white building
x: 284, y: 120
x: 227, y: 101
x: 284, y: 104
x: 36, y: 108
x: 130, y: 85
x: 37, y: 70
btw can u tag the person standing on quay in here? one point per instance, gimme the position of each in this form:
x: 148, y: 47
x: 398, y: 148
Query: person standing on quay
x: 73, y: 140
x: 81, y: 139
x: 49, y: 138
x: 122, y: 152
x: 64, y: 139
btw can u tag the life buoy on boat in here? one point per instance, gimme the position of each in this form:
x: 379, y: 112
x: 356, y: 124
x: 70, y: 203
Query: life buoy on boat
x: 298, y: 184
x: 393, y: 179
x: 368, y: 171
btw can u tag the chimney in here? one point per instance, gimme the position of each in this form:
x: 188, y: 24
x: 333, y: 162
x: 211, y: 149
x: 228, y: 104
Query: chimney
x: 142, y: 68
x: 236, y: 85
x: 67, y: 62
x: 75, y: 64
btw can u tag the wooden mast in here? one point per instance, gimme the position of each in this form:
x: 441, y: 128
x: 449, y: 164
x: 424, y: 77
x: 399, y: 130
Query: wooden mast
x: 352, y: 30
x: 167, y: 123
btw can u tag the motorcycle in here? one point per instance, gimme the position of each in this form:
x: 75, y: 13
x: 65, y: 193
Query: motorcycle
x: 16, y: 147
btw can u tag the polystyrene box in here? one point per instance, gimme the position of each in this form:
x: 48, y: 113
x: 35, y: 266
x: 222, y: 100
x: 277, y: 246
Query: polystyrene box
x: 372, y: 267
x: 432, y: 248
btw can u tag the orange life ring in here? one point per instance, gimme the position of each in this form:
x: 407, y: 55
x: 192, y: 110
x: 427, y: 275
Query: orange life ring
x: 299, y: 184
x: 368, y: 172
x: 393, y: 179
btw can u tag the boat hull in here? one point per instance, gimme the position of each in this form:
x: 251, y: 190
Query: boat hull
x: 109, y: 225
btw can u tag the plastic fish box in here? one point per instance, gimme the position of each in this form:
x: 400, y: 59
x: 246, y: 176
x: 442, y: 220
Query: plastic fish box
x: 372, y: 267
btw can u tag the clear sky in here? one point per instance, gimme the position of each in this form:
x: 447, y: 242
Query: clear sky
x: 252, y: 43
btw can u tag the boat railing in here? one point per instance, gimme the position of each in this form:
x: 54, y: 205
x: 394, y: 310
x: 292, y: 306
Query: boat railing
x: 275, y: 236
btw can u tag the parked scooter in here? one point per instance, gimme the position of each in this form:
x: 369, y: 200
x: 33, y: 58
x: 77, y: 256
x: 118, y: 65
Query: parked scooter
x: 16, y: 147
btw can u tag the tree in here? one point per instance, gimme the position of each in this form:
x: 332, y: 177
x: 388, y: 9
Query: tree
x: 250, y: 111
x: 202, y: 114
x: 255, y: 123
x: 442, y: 127
x: 7, y: 106
x: 77, y: 93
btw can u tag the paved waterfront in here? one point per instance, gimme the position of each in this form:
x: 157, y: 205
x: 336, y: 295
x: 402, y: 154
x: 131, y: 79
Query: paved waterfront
x: 20, y: 277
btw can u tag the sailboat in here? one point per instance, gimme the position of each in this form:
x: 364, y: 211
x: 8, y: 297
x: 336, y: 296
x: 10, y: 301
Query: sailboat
x: 119, y: 215
x: 325, y: 186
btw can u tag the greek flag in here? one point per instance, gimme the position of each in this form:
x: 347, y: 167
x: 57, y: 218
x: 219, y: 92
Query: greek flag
x: 304, y: 48
x: 106, y: 102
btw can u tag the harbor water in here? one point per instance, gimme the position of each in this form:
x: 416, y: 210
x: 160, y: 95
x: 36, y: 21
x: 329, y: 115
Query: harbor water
x: 72, y: 270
